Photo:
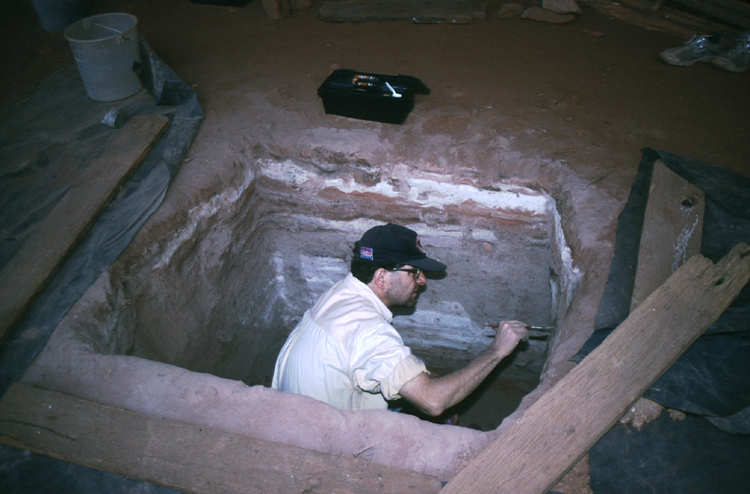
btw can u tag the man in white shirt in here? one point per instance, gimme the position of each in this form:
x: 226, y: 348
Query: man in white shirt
x: 345, y: 351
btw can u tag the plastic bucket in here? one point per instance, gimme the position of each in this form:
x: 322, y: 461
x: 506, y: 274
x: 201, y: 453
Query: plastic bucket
x: 107, y: 52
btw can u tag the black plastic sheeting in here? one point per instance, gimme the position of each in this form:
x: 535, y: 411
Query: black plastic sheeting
x: 710, y: 381
x: 23, y: 472
x: 35, y: 137
x: 32, y: 129
x: 673, y: 464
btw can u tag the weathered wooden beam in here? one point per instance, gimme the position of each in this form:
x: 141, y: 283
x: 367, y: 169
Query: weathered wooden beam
x: 557, y: 430
x: 728, y: 12
x: 29, y: 271
x: 736, y: 6
x: 185, y: 457
x: 299, y: 4
x: 419, y: 11
x: 672, y: 230
x: 277, y: 9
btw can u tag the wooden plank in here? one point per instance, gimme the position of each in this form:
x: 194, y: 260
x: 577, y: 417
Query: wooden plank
x: 277, y: 9
x: 185, y: 457
x: 299, y: 4
x: 558, y: 429
x: 718, y: 12
x: 636, y: 12
x: 479, y: 10
x: 672, y: 230
x: 419, y: 11
x: 56, y: 236
x: 738, y: 7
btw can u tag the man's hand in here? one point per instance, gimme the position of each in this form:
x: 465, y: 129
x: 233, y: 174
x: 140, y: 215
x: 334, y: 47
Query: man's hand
x: 433, y: 395
x: 509, y: 334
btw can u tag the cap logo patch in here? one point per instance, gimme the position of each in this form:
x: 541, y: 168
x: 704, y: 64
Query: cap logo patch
x: 419, y: 246
x: 365, y: 253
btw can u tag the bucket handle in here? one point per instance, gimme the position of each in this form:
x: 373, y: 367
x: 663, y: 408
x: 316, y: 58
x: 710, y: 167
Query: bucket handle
x: 120, y: 39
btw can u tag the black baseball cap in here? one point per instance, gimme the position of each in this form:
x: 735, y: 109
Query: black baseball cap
x: 395, y: 244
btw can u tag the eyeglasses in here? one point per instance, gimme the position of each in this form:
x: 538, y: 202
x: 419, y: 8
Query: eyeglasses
x: 415, y: 272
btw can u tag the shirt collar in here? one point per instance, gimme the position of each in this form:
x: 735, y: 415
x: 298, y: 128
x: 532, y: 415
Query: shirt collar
x: 366, y: 292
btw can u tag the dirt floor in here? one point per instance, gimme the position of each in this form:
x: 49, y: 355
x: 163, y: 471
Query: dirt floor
x: 591, y: 92
x: 509, y: 96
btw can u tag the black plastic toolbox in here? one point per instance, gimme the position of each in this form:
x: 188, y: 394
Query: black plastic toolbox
x: 376, y: 97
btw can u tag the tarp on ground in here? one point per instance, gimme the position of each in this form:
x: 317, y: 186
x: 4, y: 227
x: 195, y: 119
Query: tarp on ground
x: 46, y: 141
x: 710, y: 381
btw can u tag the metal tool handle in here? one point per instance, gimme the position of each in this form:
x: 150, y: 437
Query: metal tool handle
x: 546, y: 329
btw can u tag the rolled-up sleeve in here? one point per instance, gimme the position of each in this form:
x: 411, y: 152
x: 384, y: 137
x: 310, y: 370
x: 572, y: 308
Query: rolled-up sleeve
x: 381, y: 363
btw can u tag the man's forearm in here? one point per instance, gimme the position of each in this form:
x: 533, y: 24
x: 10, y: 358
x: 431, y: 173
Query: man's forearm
x: 434, y: 395
x: 454, y: 387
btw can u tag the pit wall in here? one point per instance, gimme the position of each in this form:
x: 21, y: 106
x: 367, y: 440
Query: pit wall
x: 223, y: 292
x: 98, y: 351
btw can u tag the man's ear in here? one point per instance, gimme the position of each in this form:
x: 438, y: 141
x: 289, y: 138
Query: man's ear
x: 378, y: 279
x: 378, y: 284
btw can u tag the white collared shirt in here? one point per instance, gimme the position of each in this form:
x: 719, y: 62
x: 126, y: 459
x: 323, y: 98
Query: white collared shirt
x: 345, y: 351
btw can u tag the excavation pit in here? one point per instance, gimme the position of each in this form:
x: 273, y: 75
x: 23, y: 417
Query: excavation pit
x: 189, y: 327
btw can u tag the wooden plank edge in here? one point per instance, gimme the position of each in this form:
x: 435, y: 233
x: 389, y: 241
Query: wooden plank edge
x: 16, y: 302
x: 669, y: 20
x: 672, y: 230
x: 717, y: 12
x: 491, y: 471
x: 186, y: 457
x: 460, y: 12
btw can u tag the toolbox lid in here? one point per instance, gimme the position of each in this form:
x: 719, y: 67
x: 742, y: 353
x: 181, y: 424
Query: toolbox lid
x: 345, y: 81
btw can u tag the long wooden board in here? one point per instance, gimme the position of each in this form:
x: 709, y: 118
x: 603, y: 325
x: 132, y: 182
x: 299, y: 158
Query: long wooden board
x: 185, y: 457
x: 672, y: 230
x: 419, y: 11
x: 733, y: 13
x: 557, y: 430
x: 57, y: 235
